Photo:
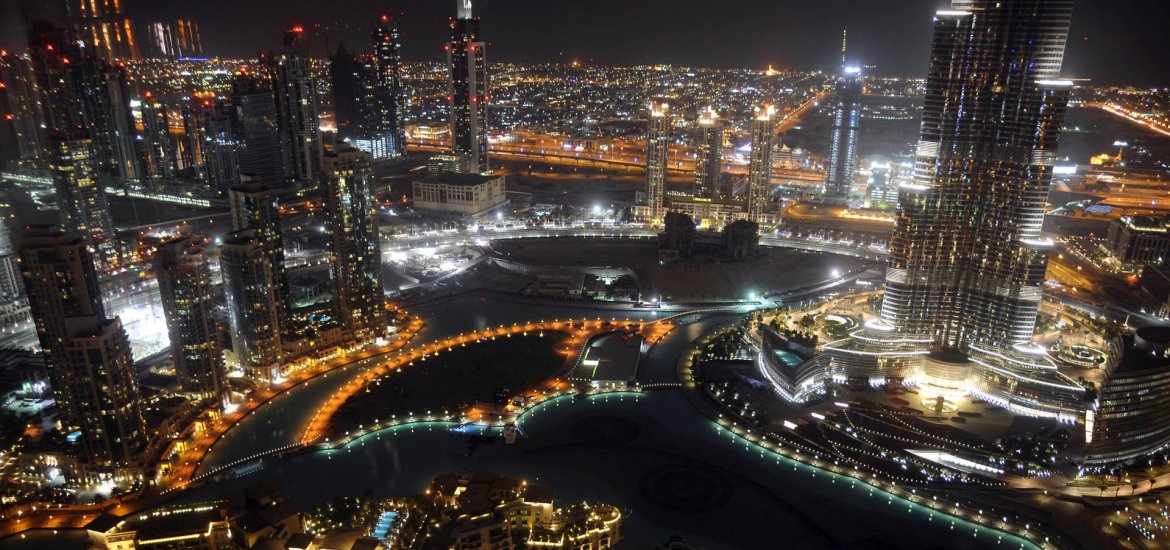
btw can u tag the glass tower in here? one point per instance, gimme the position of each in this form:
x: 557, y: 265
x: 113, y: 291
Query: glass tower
x: 355, y: 254
x: 843, y: 147
x: 468, y: 92
x: 760, y: 162
x: 657, y: 149
x: 708, y: 154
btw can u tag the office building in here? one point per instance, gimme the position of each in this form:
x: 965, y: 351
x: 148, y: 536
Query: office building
x: 249, y: 284
x: 967, y: 259
x: 467, y: 194
x: 1130, y: 419
x: 657, y: 151
x: 760, y: 163
x: 297, y: 118
x: 356, y: 257
x: 87, y: 353
x: 709, y: 155
x: 843, y: 145
x: 467, y: 64
x: 1136, y: 240
x: 255, y: 206
x: 184, y: 285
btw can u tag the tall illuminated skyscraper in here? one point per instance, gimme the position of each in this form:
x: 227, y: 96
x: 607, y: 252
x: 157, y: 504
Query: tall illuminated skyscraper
x: 657, y: 150
x: 184, y: 284
x: 159, y: 150
x: 708, y: 154
x: 391, y: 102
x: 967, y: 258
x: 87, y: 354
x: 81, y: 201
x: 297, y: 117
x: 254, y: 206
x: 20, y: 117
x: 253, y: 307
x: 102, y: 24
x: 467, y: 64
x: 843, y: 146
x: 352, y: 221
x: 256, y: 132
x: 760, y: 162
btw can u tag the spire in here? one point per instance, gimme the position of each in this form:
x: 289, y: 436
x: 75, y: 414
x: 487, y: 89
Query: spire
x: 463, y: 8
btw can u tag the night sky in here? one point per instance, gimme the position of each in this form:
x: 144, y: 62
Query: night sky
x: 1112, y: 41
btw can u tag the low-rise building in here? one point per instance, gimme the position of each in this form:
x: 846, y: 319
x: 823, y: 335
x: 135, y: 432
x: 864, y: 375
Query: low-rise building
x: 1139, y: 239
x: 468, y: 194
x: 1131, y: 417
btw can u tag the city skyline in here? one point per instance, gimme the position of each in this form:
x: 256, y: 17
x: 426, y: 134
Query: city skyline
x: 885, y: 34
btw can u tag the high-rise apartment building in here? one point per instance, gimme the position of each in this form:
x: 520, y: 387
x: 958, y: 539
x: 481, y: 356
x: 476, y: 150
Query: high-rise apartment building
x: 256, y: 132
x: 219, y: 145
x: 708, y: 154
x: 255, y: 206
x: 20, y: 117
x: 352, y: 222
x: 843, y: 144
x: 159, y: 149
x: 184, y: 284
x: 297, y: 118
x: 88, y: 355
x: 81, y: 201
x: 760, y: 162
x: 390, y: 93
x: 657, y: 151
x: 468, y: 90
x: 253, y: 307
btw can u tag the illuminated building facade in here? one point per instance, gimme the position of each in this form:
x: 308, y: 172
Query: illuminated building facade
x: 87, y: 353
x: 657, y: 149
x: 355, y: 253
x: 967, y: 260
x: 254, y: 206
x: 391, y: 103
x: 159, y: 154
x: 102, y: 24
x: 80, y: 197
x: 1139, y: 239
x: 219, y: 144
x: 184, y: 284
x: 256, y: 132
x: 297, y: 118
x: 249, y: 284
x: 20, y: 119
x: 760, y: 163
x: 709, y: 155
x: 843, y: 145
x: 1131, y: 416
x: 467, y: 64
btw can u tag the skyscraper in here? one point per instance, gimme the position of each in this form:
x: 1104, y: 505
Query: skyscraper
x: 967, y: 259
x: 102, y: 24
x: 160, y: 157
x: 184, y: 284
x: 391, y: 102
x: 843, y: 145
x: 220, y: 146
x: 253, y: 308
x: 657, y: 150
x: 20, y: 118
x: 297, y: 118
x: 254, y: 206
x: 255, y: 129
x: 355, y: 254
x: 87, y: 354
x: 103, y: 102
x: 760, y: 162
x: 708, y: 154
x: 81, y: 201
x: 468, y: 91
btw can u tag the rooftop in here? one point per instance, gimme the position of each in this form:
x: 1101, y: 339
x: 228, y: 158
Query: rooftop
x: 454, y: 178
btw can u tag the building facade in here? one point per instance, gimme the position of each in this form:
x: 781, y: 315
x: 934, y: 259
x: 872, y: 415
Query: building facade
x: 184, y: 284
x: 255, y: 206
x: 468, y: 194
x: 967, y: 260
x: 467, y: 67
x: 356, y: 256
x: 657, y: 151
x: 253, y: 308
x: 87, y: 354
x: 843, y: 145
x: 1139, y: 239
x: 760, y: 163
x: 298, y: 118
x: 709, y: 155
